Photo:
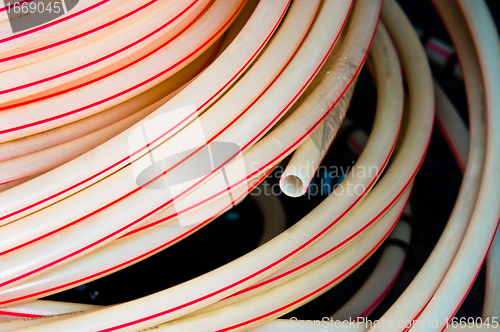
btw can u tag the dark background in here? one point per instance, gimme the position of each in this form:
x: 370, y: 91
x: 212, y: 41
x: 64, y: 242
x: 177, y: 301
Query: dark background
x: 238, y: 231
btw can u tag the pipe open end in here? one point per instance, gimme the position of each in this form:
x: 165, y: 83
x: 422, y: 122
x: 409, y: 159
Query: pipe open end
x: 292, y: 185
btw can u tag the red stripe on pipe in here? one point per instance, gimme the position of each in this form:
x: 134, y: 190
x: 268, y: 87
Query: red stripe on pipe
x: 110, y: 55
x: 20, y: 55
